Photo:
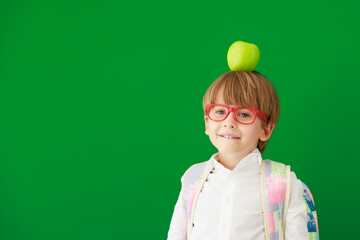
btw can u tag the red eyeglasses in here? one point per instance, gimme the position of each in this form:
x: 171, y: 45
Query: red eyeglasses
x: 243, y: 115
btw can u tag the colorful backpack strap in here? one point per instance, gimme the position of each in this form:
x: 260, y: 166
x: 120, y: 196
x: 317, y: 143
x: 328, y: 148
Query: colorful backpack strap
x: 287, y: 196
x: 274, y: 178
x: 192, y: 183
x: 275, y: 193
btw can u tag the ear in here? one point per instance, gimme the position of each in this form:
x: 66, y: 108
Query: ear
x: 206, y: 125
x: 266, y: 132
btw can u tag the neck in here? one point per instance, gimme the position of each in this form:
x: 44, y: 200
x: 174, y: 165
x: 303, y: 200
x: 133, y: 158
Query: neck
x: 230, y: 160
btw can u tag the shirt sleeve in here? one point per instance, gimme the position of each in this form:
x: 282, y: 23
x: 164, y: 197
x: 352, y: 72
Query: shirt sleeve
x: 178, y: 228
x: 296, y: 219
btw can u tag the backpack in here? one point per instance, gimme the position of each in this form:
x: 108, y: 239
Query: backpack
x: 275, y: 193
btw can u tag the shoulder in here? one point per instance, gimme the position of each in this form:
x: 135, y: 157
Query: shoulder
x: 194, y: 171
x: 273, y: 168
x: 301, y: 188
x: 280, y: 169
x: 272, y: 162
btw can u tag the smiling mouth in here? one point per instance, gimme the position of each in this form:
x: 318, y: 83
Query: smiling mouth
x: 229, y: 137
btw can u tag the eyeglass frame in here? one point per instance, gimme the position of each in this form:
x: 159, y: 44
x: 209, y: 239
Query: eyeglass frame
x: 231, y: 109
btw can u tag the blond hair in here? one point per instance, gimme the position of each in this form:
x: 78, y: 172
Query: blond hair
x: 246, y: 89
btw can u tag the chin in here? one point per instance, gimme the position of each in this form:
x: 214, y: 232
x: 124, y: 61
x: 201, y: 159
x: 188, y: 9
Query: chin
x: 229, y: 149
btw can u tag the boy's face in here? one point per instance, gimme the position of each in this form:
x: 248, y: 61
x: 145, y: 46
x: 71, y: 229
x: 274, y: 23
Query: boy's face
x: 247, y: 135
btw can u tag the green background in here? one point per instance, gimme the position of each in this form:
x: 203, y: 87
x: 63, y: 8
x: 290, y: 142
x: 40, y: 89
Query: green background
x: 93, y: 94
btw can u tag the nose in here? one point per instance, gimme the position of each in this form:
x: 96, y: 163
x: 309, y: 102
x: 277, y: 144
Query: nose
x: 230, y: 121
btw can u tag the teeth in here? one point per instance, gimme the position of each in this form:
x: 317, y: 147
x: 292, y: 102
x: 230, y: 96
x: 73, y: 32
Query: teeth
x: 229, y: 137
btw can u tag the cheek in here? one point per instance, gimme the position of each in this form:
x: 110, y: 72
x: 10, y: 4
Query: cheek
x: 213, y: 133
x: 252, y: 135
x: 212, y: 128
x: 214, y: 140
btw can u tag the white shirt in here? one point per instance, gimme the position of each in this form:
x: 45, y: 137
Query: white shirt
x: 229, y: 206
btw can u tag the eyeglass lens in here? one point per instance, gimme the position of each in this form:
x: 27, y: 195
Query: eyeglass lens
x: 242, y: 115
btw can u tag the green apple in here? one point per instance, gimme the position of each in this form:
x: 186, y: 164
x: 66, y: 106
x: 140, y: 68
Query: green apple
x: 243, y: 56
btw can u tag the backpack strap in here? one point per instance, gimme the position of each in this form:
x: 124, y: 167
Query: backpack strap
x: 287, y: 197
x: 274, y: 191
x: 192, y: 183
x: 263, y: 200
x: 276, y: 186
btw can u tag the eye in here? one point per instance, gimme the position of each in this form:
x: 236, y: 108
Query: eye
x: 220, y: 112
x: 245, y: 113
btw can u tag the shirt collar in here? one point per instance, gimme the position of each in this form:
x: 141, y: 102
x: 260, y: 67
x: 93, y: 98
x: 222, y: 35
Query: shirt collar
x: 255, y: 155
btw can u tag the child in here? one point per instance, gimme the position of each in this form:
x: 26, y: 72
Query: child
x: 229, y: 205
